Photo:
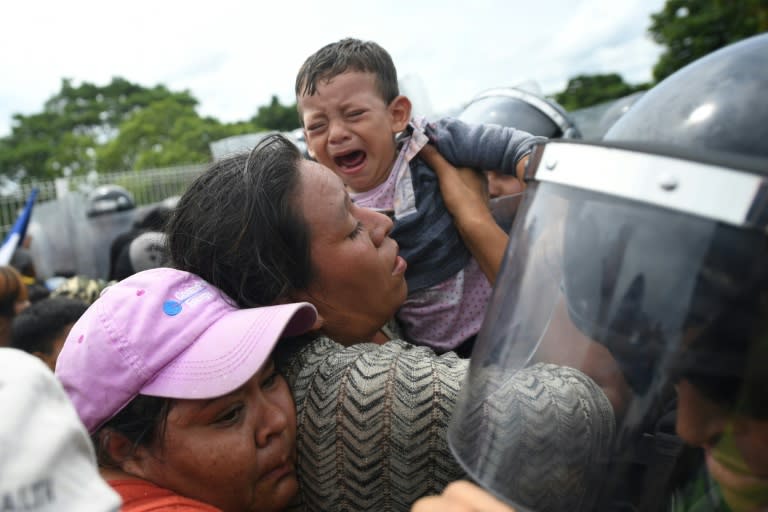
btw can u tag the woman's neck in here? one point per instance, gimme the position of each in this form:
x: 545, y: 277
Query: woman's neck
x: 349, y: 332
x: 116, y: 474
x: 380, y: 337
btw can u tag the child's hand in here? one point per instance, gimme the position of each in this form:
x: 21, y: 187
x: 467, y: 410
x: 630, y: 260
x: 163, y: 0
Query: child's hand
x: 461, y: 497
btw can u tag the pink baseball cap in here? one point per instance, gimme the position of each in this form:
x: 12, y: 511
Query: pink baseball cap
x: 167, y: 333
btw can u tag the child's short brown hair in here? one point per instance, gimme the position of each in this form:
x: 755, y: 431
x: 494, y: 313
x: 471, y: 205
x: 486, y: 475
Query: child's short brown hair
x: 349, y: 55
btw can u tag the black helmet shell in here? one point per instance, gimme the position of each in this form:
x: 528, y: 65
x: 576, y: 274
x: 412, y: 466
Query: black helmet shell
x: 520, y: 109
x: 107, y: 199
x: 718, y: 103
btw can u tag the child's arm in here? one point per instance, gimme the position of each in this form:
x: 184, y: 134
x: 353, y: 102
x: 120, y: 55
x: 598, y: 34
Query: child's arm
x: 483, y: 146
x: 465, y: 195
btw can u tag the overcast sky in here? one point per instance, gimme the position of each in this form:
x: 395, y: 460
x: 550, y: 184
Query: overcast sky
x: 234, y: 55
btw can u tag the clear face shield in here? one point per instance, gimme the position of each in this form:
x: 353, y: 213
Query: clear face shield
x: 614, y: 361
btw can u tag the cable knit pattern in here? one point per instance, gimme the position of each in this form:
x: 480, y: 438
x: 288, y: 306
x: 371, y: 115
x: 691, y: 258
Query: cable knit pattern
x: 372, y: 423
x: 540, y: 437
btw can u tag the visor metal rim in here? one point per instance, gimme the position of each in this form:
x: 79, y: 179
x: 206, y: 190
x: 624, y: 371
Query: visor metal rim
x: 715, y: 192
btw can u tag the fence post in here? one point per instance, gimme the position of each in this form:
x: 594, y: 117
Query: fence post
x: 62, y: 187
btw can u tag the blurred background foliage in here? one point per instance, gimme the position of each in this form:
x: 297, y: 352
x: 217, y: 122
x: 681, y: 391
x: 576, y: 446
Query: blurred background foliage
x: 125, y: 126
x: 120, y: 126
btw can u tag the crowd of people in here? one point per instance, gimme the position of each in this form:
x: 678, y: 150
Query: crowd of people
x: 356, y: 331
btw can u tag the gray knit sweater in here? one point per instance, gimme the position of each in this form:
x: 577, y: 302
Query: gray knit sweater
x: 373, y: 420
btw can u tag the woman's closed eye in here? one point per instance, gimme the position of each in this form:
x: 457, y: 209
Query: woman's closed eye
x: 357, y: 230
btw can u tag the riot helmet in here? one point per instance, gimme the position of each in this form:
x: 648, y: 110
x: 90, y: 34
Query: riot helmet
x: 521, y: 109
x: 639, y: 262
x: 617, y: 109
x: 110, y: 211
x: 107, y: 199
x: 716, y: 103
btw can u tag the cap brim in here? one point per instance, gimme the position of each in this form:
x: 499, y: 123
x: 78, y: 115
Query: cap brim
x: 230, y: 352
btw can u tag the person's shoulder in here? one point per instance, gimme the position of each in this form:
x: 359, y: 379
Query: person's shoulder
x: 143, y: 496
x: 322, y: 356
x: 323, y: 347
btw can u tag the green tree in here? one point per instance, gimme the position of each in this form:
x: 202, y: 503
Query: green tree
x: 74, y: 122
x: 98, y: 111
x: 167, y: 132
x: 277, y: 117
x: 29, y: 149
x: 690, y: 29
x: 119, y: 126
x: 586, y: 90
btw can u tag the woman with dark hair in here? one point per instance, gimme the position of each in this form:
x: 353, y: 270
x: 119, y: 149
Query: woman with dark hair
x: 372, y: 410
x: 14, y: 299
x: 269, y: 225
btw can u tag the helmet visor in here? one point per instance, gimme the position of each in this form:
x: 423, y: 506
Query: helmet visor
x: 603, y: 304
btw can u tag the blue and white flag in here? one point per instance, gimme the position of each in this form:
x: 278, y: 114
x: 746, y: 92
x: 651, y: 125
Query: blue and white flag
x: 18, y: 231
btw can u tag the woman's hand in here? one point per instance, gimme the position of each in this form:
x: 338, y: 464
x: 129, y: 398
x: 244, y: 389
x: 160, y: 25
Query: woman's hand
x: 465, y: 193
x: 461, y: 496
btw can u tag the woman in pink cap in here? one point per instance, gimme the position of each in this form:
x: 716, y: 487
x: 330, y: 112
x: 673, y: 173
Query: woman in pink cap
x: 177, y: 387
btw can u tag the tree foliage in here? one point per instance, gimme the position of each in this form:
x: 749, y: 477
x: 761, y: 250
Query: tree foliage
x: 120, y: 126
x: 690, y: 29
x: 586, y: 90
x: 164, y: 133
x: 277, y: 117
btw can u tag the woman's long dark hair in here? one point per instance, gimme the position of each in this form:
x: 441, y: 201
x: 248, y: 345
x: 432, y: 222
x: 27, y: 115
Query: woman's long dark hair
x: 239, y: 226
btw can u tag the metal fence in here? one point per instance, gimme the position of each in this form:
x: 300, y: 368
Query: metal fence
x: 148, y: 186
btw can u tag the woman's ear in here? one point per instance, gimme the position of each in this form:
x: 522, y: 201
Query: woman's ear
x: 399, y: 113
x: 319, y: 322
x: 306, y: 297
x: 123, y: 454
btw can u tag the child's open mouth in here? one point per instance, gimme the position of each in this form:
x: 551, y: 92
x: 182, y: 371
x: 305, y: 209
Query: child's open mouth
x: 350, y: 162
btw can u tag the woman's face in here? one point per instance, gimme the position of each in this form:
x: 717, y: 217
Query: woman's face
x: 358, y: 278
x: 236, y: 452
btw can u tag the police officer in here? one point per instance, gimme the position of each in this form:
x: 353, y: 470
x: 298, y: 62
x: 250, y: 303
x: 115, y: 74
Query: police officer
x: 110, y: 210
x: 519, y: 108
x: 642, y: 262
